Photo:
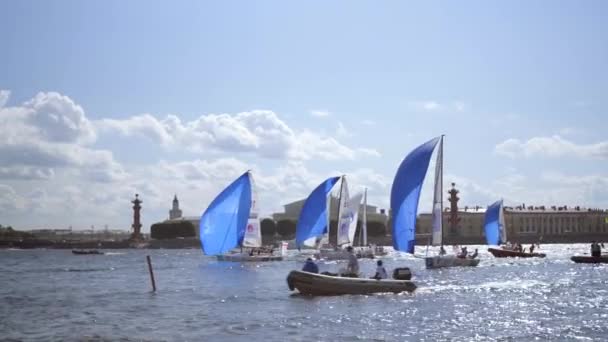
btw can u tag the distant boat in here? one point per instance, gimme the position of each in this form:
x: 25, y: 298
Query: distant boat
x: 496, y: 233
x: 405, y: 195
x: 232, y: 221
x: 85, y: 251
x: 583, y: 259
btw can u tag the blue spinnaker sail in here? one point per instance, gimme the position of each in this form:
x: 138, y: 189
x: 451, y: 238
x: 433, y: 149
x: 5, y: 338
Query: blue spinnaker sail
x: 313, y: 217
x: 405, y: 194
x: 491, y: 224
x: 223, y: 224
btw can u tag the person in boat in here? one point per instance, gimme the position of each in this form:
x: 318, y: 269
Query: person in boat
x: 353, y: 263
x: 474, y: 255
x: 442, y: 250
x: 380, y: 271
x: 596, y: 250
x: 532, y: 248
x: 310, y: 266
x: 463, y: 253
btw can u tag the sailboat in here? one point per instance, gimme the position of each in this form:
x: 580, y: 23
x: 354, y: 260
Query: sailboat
x: 232, y: 222
x: 496, y: 233
x: 347, y: 215
x: 405, y: 195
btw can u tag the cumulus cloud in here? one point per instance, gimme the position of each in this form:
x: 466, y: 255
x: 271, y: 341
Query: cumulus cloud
x: 260, y: 132
x: 554, y: 146
x: 4, y: 96
x: 26, y: 173
x: 47, y: 132
x: 58, y: 118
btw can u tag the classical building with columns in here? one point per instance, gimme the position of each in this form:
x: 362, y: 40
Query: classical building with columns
x: 525, y: 224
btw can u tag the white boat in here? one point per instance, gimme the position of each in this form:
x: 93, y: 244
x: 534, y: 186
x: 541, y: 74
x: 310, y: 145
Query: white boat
x: 231, y: 221
x: 347, y: 226
x: 448, y: 261
x: 326, y: 285
x: 245, y: 257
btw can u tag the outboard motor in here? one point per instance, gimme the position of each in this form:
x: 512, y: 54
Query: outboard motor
x: 402, y: 273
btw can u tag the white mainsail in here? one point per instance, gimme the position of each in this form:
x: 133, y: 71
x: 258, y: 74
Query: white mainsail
x: 354, y: 204
x: 364, y: 219
x: 253, y: 235
x: 438, y: 198
x: 344, y: 215
x: 502, y: 228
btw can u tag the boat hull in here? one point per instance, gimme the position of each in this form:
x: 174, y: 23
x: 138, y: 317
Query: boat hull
x: 504, y: 253
x: 580, y: 259
x: 449, y: 261
x: 85, y: 252
x: 360, y: 252
x: 248, y: 258
x: 324, y: 285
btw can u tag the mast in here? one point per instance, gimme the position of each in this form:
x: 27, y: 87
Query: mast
x: 441, y: 189
x: 364, y: 219
x: 339, y: 211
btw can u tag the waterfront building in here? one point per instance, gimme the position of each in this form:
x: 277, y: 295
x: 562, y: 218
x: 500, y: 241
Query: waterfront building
x: 525, y: 224
x: 292, y: 211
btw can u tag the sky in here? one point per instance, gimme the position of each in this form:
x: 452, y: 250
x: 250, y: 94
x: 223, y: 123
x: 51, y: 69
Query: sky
x: 102, y: 100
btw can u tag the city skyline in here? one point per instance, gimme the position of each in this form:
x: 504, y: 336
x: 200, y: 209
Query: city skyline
x: 100, y: 101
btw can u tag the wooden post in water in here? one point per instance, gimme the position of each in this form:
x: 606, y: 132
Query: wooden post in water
x: 151, y: 273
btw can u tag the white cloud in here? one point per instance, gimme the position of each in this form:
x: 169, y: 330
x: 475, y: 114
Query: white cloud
x: 320, y: 113
x: 9, y: 201
x: 434, y: 106
x: 554, y: 146
x: 4, y: 96
x: 58, y: 118
x: 47, y: 132
x: 259, y: 132
x: 26, y: 172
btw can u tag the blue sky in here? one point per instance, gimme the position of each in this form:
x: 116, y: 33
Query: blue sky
x: 104, y: 99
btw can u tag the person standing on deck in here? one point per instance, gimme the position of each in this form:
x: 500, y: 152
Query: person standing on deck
x: 353, y: 263
x: 596, y: 250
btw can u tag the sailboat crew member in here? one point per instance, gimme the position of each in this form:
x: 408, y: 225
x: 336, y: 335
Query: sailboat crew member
x: 353, y: 263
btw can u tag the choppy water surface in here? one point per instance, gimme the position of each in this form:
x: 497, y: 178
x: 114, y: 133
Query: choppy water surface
x: 54, y: 295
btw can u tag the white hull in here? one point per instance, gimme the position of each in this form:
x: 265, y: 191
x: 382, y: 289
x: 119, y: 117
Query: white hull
x: 448, y: 261
x: 360, y: 252
x: 244, y: 257
x: 324, y: 285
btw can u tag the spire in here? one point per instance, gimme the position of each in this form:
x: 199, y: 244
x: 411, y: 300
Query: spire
x: 175, y: 198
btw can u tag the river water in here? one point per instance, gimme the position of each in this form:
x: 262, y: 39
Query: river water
x: 54, y: 295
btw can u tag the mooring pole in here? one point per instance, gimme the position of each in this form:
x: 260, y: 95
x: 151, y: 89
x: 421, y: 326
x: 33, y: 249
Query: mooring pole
x: 151, y: 273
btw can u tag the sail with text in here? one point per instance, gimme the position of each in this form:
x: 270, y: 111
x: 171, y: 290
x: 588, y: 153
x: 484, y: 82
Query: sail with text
x: 405, y: 195
x: 313, y: 219
x: 223, y: 224
x: 253, y: 234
